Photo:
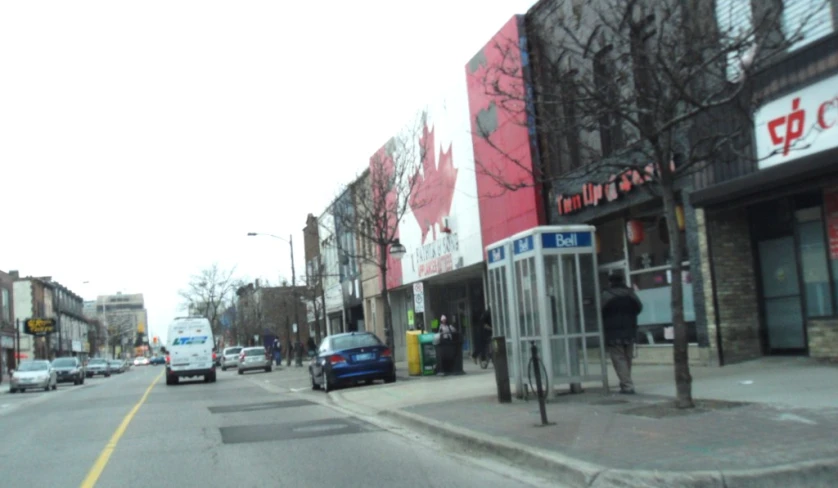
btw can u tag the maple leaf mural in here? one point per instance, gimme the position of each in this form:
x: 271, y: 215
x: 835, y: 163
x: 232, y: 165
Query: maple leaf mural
x: 434, y: 185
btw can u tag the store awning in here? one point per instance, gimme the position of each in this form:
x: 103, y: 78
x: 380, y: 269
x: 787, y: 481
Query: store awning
x: 773, y: 182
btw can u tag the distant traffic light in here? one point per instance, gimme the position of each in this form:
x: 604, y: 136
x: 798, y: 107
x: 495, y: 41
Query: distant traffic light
x: 155, y: 339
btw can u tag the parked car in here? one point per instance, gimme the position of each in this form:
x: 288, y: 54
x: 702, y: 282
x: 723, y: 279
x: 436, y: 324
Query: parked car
x: 117, y: 366
x: 251, y: 358
x: 141, y: 361
x: 351, y: 358
x: 98, y: 366
x: 230, y: 357
x: 69, y: 369
x: 33, y: 374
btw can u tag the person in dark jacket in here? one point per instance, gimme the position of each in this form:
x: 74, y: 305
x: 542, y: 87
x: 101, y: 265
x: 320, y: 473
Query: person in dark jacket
x: 620, y: 308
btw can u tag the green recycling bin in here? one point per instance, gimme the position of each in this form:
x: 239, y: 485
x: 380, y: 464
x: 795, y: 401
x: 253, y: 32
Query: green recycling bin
x: 427, y: 353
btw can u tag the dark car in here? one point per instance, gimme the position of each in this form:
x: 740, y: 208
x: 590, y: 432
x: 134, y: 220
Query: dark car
x: 69, y: 369
x: 351, y: 358
x: 155, y: 360
x: 98, y: 366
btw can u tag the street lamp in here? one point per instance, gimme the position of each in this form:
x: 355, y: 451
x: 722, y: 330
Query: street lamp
x: 290, y: 241
x: 397, y: 249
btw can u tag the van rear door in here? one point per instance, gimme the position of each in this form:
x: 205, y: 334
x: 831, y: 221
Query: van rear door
x: 191, y: 351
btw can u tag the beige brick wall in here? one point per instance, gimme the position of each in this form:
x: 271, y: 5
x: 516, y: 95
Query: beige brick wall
x: 736, y: 286
x: 823, y: 338
x: 707, y: 285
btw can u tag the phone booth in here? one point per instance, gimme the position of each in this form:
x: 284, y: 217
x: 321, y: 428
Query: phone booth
x: 503, y: 307
x: 544, y: 288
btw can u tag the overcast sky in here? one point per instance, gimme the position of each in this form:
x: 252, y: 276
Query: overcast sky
x: 141, y: 141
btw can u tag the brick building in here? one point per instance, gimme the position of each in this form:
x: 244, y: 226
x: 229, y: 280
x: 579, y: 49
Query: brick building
x: 769, y: 224
x: 8, y: 337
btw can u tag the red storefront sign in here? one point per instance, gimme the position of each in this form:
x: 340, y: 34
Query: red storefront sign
x: 830, y: 200
x: 594, y: 193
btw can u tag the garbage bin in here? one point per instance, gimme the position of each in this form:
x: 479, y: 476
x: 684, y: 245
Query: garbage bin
x: 414, y: 359
x: 427, y: 354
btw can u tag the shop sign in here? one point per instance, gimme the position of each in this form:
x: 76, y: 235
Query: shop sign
x: 497, y: 254
x: 798, y: 124
x: 39, y: 327
x: 565, y: 240
x: 419, y: 297
x: 524, y: 245
x: 830, y: 199
x: 593, y: 194
x: 436, y: 257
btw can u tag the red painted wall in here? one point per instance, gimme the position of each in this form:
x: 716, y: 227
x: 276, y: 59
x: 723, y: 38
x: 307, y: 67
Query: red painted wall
x: 500, y: 134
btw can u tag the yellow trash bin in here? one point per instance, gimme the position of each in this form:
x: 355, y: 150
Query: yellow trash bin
x: 414, y: 363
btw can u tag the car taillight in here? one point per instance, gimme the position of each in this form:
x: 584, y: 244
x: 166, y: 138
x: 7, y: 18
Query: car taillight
x: 213, y: 356
x: 336, y: 358
x: 387, y: 353
x: 167, y: 359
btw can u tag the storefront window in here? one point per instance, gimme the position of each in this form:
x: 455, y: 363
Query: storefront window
x: 650, y: 259
x: 611, y: 241
x: 812, y: 248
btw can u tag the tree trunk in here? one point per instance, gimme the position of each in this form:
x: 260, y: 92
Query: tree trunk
x: 680, y: 352
x: 385, y: 295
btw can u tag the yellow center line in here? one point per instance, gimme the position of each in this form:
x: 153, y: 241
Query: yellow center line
x: 102, y: 461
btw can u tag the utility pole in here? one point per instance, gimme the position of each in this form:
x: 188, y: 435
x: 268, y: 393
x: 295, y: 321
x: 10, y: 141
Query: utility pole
x: 297, y: 351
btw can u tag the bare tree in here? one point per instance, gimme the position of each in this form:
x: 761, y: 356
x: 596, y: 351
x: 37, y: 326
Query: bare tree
x: 380, y: 199
x: 634, y: 93
x: 209, y: 293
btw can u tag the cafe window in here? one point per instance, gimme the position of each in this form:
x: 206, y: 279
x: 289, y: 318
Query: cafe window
x: 650, y: 274
x: 638, y: 245
x: 812, y: 218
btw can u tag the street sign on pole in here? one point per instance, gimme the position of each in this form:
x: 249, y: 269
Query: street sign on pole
x: 418, y: 298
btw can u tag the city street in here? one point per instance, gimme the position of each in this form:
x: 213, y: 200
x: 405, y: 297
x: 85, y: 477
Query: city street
x: 259, y: 429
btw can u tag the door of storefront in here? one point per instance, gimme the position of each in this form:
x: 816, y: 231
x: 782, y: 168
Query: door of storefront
x: 781, y: 296
x: 775, y: 230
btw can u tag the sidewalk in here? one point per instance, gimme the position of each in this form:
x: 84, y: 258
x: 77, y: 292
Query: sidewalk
x: 770, y: 422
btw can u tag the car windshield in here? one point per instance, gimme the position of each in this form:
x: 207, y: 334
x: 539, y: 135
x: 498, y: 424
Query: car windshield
x: 97, y: 361
x: 255, y: 352
x: 353, y: 341
x: 64, y: 362
x: 33, y: 366
x: 115, y: 363
x: 232, y: 350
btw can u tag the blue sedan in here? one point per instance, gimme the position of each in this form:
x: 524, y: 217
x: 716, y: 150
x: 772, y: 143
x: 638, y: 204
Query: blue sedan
x: 351, y: 358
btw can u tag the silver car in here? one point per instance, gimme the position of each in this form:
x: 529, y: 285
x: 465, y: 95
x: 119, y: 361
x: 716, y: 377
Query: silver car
x: 230, y: 357
x: 33, y: 374
x: 254, y: 358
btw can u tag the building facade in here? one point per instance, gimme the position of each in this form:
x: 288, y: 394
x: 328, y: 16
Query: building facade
x: 8, y: 334
x: 769, y: 223
x: 126, y: 322
x: 315, y: 294
x: 32, y: 299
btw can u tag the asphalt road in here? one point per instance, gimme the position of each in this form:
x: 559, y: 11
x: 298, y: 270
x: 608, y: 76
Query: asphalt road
x: 259, y: 429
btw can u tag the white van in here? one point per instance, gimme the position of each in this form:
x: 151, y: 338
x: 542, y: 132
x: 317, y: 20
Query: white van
x: 190, y: 350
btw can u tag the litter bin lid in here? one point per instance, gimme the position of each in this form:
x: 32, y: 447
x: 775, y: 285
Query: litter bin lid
x: 426, y: 339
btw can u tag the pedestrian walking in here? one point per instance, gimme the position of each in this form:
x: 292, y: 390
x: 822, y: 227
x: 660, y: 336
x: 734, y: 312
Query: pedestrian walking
x: 484, y: 337
x: 447, y: 342
x: 312, y: 347
x: 620, y: 308
x: 277, y: 351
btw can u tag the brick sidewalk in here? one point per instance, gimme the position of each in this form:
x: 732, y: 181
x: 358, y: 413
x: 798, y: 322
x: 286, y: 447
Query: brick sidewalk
x: 634, y: 432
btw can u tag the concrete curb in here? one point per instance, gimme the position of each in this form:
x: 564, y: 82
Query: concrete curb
x: 577, y: 473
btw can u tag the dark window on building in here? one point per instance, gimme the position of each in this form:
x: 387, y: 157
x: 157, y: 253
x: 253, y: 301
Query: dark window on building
x: 570, y: 123
x: 610, y: 135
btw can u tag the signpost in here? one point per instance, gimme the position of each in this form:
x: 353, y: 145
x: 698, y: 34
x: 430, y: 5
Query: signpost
x: 39, y: 327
